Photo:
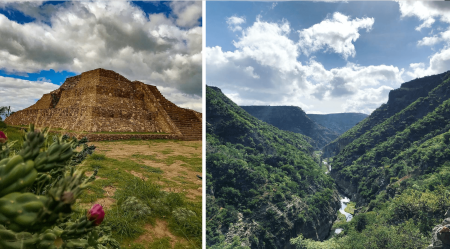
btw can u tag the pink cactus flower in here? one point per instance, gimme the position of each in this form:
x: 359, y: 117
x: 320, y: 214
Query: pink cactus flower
x: 3, y: 137
x: 96, y: 214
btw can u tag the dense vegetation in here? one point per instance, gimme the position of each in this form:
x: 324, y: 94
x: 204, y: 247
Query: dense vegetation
x: 293, y: 118
x: 406, y: 143
x: 396, y: 165
x: 263, y: 185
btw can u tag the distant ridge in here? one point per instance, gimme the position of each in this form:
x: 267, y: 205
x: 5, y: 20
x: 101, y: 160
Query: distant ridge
x: 293, y: 118
x: 338, y: 122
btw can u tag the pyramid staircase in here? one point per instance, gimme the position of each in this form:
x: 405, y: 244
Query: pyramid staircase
x: 186, y: 120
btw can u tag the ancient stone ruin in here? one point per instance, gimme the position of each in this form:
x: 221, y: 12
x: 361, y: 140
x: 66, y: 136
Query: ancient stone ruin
x: 100, y: 101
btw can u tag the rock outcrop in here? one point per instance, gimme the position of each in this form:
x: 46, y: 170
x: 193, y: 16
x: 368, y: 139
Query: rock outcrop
x: 104, y: 101
x: 440, y: 236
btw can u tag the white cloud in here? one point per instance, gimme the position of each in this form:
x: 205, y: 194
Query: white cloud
x: 116, y: 35
x: 439, y: 63
x: 250, y: 71
x: 428, y: 11
x: 367, y: 100
x: 429, y: 41
x: 20, y: 94
x: 234, y: 23
x: 274, y: 4
x: 426, y: 24
x: 265, y: 49
x: 268, y: 44
x: 336, y: 34
x: 188, y: 13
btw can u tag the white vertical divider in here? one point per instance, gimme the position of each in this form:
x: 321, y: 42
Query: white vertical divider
x: 203, y: 125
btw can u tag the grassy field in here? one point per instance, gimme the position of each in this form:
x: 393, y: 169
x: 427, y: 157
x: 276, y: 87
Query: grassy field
x: 162, y: 176
x: 149, y: 189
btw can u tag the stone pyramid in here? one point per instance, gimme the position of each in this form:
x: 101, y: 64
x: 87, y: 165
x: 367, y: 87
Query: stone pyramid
x: 104, y: 101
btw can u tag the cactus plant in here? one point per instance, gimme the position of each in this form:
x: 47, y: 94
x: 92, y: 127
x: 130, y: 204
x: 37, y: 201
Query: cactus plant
x: 38, y: 187
x: 136, y: 207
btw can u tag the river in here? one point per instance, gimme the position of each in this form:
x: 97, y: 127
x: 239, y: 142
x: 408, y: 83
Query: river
x: 344, y: 201
x: 348, y: 216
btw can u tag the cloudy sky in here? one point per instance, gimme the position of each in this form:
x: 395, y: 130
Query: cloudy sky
x: 43, y: 43
x: 324, y: 57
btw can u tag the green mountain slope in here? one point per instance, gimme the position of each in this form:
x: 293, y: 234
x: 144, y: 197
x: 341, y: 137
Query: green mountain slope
x: 366, y: 165
x: 293, y: 118
x: 338, y: 122
x: 396, y: 165
x: 399, y: 99
x: 263, y: 185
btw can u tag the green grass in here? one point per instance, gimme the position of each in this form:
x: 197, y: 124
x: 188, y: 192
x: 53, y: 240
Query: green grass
x: 195, y: 146
x: 14, y: 134
x: 350, y: 208
x: 167, y: 151
x: 194, y: 163
x: 15, y: 137
x: 161, y: 243
x: 126, y: 228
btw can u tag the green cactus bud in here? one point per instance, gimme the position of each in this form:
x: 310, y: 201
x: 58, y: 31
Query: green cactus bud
x: 61, y: 197
x: 56, y: 156
x: 15, y: 175
x: 4, y: 153
x: 12, y: 240
x: 19, y: 211
x: 32, y: 144
x: 75, y: 244
x: 48, y: 240
x: 78, y: 228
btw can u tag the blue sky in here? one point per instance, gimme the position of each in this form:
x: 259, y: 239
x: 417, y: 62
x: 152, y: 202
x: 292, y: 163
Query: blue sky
x: 325, y: 57
x: 43, y: 43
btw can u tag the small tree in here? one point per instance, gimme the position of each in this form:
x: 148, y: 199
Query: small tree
x: 5, y: 111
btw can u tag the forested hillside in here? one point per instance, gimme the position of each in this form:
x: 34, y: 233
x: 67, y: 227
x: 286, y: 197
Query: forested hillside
x: 399, y: 99
x: 338, y: 122
x: 263, y: 185
x: 396, y: 165
x: 396, y: 146
x: 293, y: 118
